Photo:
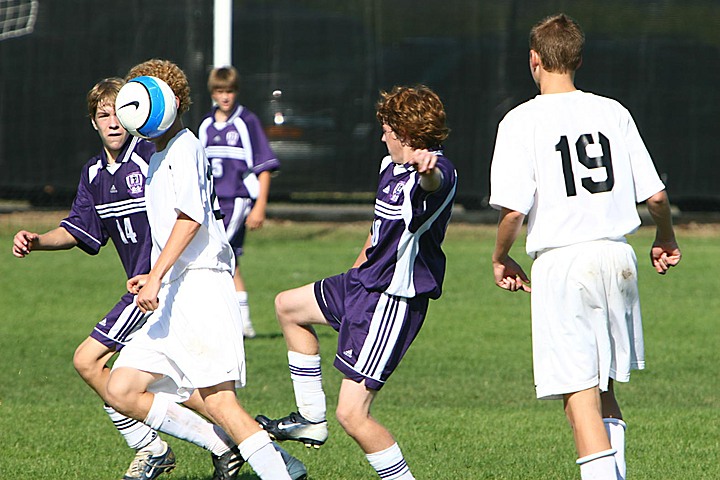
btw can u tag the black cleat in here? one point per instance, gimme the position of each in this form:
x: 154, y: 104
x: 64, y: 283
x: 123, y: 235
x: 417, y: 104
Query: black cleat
x: 227, y: 466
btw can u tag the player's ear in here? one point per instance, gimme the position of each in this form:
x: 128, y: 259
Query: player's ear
x: 92, y: 120
x: 534, y: 60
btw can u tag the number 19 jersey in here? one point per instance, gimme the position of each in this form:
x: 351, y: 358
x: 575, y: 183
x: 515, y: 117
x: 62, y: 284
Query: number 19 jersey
x: 576, y: 165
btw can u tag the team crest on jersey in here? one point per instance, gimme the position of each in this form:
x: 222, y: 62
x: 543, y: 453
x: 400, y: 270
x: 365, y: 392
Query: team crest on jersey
x: 134, y: 182
x: 232, y: 138
x: 397, y: 191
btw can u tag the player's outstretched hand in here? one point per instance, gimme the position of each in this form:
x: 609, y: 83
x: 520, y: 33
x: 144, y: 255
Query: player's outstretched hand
x: 424, y: 160
x: 22, y: 243
x: 509, y: 275
x: 664, y: 255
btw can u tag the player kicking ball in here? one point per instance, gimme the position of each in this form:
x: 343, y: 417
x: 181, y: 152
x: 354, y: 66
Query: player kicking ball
x: 195, y: 342
x: 575, y: 164
x: 378, y: 306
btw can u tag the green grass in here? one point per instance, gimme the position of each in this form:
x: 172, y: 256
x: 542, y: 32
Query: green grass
x: 461, y: 405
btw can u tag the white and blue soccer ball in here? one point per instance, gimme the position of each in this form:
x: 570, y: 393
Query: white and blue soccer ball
x: 145, y: 106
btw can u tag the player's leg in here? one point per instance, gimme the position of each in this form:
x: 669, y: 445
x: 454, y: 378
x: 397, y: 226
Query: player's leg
x: 90, y: 361
x: 381, y: 450
x: 236, y: 211
x: 297, y: 311
x: 253, y: 442
x: 242, y: 298
x: 615, y: 427
x: 595, y: 454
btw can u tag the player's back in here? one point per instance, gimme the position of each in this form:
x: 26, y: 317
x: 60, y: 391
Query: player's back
x: 586, y: 168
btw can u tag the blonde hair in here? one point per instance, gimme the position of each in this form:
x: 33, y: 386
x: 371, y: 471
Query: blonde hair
x: 168, y: 72
x: 415, y: 114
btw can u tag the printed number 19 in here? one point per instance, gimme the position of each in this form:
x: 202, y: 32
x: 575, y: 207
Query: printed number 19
x: 604, y: 160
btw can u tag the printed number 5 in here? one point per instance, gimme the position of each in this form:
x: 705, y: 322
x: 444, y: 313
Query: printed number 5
x: 604, y: 160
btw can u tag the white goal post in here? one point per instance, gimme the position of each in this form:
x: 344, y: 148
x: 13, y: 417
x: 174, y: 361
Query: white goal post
x: 222, y: 33
x: 17, y: 17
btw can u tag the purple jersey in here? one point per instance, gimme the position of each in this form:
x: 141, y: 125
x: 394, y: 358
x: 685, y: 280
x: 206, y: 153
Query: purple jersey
x: 238, y: 151
x: 110, y: 203
x: 405, y: 258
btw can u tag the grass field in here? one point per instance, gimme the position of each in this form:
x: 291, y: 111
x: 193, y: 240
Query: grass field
x: 461, y: 405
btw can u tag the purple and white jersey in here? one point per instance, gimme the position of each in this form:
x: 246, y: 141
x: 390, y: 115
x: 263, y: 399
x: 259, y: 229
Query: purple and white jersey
x: 238, y: 151
x: 110, y: 203
x: 405, y: 258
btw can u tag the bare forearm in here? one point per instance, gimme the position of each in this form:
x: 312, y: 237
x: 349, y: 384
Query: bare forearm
x: 509, y: 225
x: 658, y: 206
x: 57, y: 239
x: 182, y: 234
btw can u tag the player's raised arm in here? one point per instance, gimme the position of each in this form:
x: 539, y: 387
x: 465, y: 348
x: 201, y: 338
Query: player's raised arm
x: 425, y: 161
x: 665, y: 252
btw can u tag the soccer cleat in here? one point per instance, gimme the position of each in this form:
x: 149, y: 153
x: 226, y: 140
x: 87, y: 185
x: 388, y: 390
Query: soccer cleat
x: 295, y: 468
x: 227, y: 466
x: 146, y: 466
x: 295, y: 427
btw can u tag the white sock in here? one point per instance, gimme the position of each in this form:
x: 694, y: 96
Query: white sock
x: 242, y: 298
x: 306, y: 378
x: 137, y: 435
x: 598, y: 466
x: 390, y: 464
x: 259, y: 451
x: 616, y: 432
x: 173, y: 419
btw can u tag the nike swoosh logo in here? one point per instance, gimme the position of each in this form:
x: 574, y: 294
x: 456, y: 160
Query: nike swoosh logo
x: 288, y: 426
x: 134, y: 103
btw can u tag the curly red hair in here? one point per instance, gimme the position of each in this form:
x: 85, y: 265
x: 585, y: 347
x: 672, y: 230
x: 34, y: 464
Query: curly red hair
x: 415, y: 114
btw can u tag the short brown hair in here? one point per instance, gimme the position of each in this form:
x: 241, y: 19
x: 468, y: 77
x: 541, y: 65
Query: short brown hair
x: 168, y: 72
x: 225, y: 78
x: 416, y: 115
x: 559, y: 41
x: 102, y: 93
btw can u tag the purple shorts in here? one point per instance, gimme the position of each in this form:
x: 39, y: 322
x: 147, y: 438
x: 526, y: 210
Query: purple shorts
x: 120, y: 323
x: 236, y: 211
x: 375, y: 329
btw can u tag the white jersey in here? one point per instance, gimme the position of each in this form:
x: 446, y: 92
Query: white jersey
x: 576, y: 165
x: 179, y: 180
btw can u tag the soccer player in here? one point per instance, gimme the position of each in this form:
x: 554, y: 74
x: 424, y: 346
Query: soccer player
x: 110, y: 205
x: 242, y: 163
x: 575, y: 165
x: 379, y: 305
x: 195, y: 341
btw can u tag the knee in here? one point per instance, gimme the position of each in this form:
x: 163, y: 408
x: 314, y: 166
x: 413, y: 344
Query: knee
x: 84, y: 364
x: 351, y: 420
x: 117, y: 392
x: 282, y: 308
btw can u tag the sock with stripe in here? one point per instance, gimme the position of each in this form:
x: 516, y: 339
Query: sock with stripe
x: 306, y: 378
x: 137, y: 435
x: 390, y: 464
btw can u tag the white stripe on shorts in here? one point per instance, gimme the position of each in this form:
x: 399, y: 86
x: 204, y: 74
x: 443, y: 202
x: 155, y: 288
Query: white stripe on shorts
x: 385, y: 327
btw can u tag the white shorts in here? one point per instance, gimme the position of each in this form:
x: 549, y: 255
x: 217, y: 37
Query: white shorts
x: 586, y: 324
x: 196, y: 339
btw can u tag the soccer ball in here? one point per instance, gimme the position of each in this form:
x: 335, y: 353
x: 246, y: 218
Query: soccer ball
x: 145, y: 106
